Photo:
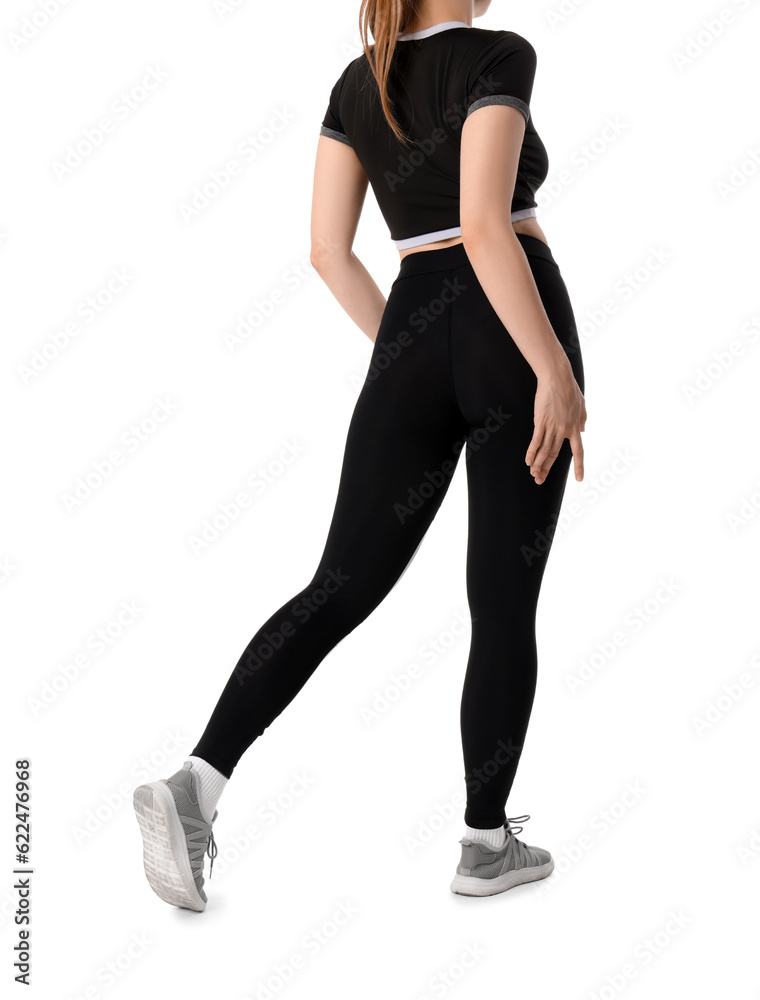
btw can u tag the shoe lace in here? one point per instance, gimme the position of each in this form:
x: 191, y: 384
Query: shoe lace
x: 516, y: 819
x: 211, y: 850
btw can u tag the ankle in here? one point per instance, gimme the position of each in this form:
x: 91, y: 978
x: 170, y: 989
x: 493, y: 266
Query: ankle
x: 495, y: 837
x: 210, y: 784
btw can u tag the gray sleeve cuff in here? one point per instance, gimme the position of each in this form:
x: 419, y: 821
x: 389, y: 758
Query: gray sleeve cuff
x: 334, y: 134
x: 513, y: 102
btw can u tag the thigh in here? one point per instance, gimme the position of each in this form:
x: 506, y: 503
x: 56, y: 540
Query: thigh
x: 511, y: 518
x: 511, y: 524
x: 402, y: 446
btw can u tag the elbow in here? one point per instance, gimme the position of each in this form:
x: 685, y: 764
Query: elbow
x: 316, y: 257
x: 470, y: 228
x: 485, y: 232
x: 324, y: 253
x: 469, y: 236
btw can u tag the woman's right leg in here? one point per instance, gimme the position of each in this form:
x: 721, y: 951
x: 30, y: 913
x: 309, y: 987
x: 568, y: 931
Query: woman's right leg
x: 511, y: 526
x: 404, y: 439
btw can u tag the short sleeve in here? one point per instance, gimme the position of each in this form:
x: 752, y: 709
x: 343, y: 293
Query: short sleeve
x: 503, y: 73
x: 331, y: 123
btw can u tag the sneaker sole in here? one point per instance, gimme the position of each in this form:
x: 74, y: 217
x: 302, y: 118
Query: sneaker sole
x: 471, y: 885
x: 165, y: 857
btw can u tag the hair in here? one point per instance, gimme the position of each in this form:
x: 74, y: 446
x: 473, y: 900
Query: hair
x: 386, y: 20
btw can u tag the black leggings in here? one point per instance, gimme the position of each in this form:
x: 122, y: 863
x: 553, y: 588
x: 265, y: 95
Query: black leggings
x: 444, y: 375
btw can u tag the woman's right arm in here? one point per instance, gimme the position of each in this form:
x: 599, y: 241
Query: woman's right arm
x: 490, y: 150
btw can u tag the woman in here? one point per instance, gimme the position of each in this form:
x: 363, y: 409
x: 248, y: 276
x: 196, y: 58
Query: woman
x: 475, y: 349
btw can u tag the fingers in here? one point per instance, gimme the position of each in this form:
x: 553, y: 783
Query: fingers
x: 543, y: 458
x: 577, y: 445
x: 535, y: 444
x: 544, y: 449
x: 546, y: 443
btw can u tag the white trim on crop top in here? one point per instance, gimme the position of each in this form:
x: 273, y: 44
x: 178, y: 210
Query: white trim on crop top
x: 431, y: 30
x: 442, y: 234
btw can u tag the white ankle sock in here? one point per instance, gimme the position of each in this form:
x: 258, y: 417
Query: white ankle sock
x: 210, y: 785
x: 494, y: 838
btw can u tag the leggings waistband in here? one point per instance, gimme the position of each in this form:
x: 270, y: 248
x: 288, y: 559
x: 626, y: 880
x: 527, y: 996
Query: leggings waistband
x: 425, y: 261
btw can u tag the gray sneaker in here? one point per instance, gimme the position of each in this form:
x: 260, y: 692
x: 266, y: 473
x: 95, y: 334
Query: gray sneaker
x: 175, y: 837
x: 485, y: 870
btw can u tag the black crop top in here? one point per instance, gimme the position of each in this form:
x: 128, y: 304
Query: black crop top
x: 438, y: 76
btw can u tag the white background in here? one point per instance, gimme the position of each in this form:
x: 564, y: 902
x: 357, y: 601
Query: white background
x: 601, y: 924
